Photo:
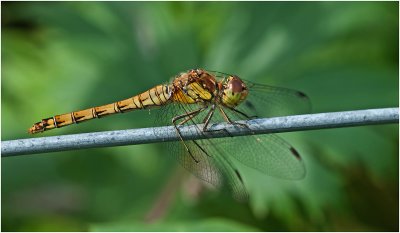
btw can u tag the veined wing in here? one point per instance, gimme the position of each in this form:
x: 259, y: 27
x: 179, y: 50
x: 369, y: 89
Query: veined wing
x: 266, y: 153
x: 212, y: 166
x: 270, y: 101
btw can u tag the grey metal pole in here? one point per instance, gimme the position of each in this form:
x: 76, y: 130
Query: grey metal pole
x: 168, y: 133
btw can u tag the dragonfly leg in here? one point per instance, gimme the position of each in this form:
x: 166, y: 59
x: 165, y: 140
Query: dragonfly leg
x: 230, y: 121
x: 224, y: 115
x: 201, y: 148
x: 243, y: 114
x: 207, y: 119
x: 189, y: 116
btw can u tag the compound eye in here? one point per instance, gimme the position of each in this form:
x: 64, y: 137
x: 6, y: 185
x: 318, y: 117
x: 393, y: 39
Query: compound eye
x: 235, y: 85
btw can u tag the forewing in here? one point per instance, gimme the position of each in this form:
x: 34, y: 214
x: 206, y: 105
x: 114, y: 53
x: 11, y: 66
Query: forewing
x: 271, y: 101
x: 209, y: 159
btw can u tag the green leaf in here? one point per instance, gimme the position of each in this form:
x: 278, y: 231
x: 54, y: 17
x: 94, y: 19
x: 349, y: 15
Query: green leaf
x: 213, y: 224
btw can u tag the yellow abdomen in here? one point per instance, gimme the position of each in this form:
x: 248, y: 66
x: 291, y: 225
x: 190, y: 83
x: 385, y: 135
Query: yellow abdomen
x: 156, y: 96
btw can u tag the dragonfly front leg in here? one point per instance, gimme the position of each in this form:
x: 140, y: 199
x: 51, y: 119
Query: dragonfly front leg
x: 230, y: 121
x: 207, y: 119
x: 243, y: 114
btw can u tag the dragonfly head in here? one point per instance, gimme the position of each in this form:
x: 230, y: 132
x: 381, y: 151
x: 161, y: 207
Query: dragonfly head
x: 234, y: 91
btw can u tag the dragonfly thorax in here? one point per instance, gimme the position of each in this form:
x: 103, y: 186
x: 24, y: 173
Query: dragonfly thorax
x: 194, y: 86
x: 234, y: 91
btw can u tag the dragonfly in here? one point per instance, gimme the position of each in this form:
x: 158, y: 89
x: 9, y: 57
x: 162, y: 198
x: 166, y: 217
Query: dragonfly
x: 202, y: 97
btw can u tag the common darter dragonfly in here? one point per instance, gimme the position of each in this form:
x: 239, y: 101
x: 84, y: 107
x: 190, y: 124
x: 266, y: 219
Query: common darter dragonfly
x: 205, y: 97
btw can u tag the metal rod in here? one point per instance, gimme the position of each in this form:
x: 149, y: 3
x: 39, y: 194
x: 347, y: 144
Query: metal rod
x: 168, y: 133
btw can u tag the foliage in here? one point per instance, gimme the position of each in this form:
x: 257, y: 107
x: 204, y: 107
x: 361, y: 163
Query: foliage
x: 63, y: 56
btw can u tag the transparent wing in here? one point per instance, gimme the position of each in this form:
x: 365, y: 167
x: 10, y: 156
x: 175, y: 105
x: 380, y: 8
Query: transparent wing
x: 209, y: 159
x: 210, y: 162
x: 228, y: 174
x: 271, y: 101
x: 266, y: 153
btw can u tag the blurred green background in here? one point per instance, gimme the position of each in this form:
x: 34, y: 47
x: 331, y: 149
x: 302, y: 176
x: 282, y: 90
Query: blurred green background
x: 64, y: 56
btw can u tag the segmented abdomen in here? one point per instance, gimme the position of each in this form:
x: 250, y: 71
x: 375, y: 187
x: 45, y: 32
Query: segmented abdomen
x: 156, y: 96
